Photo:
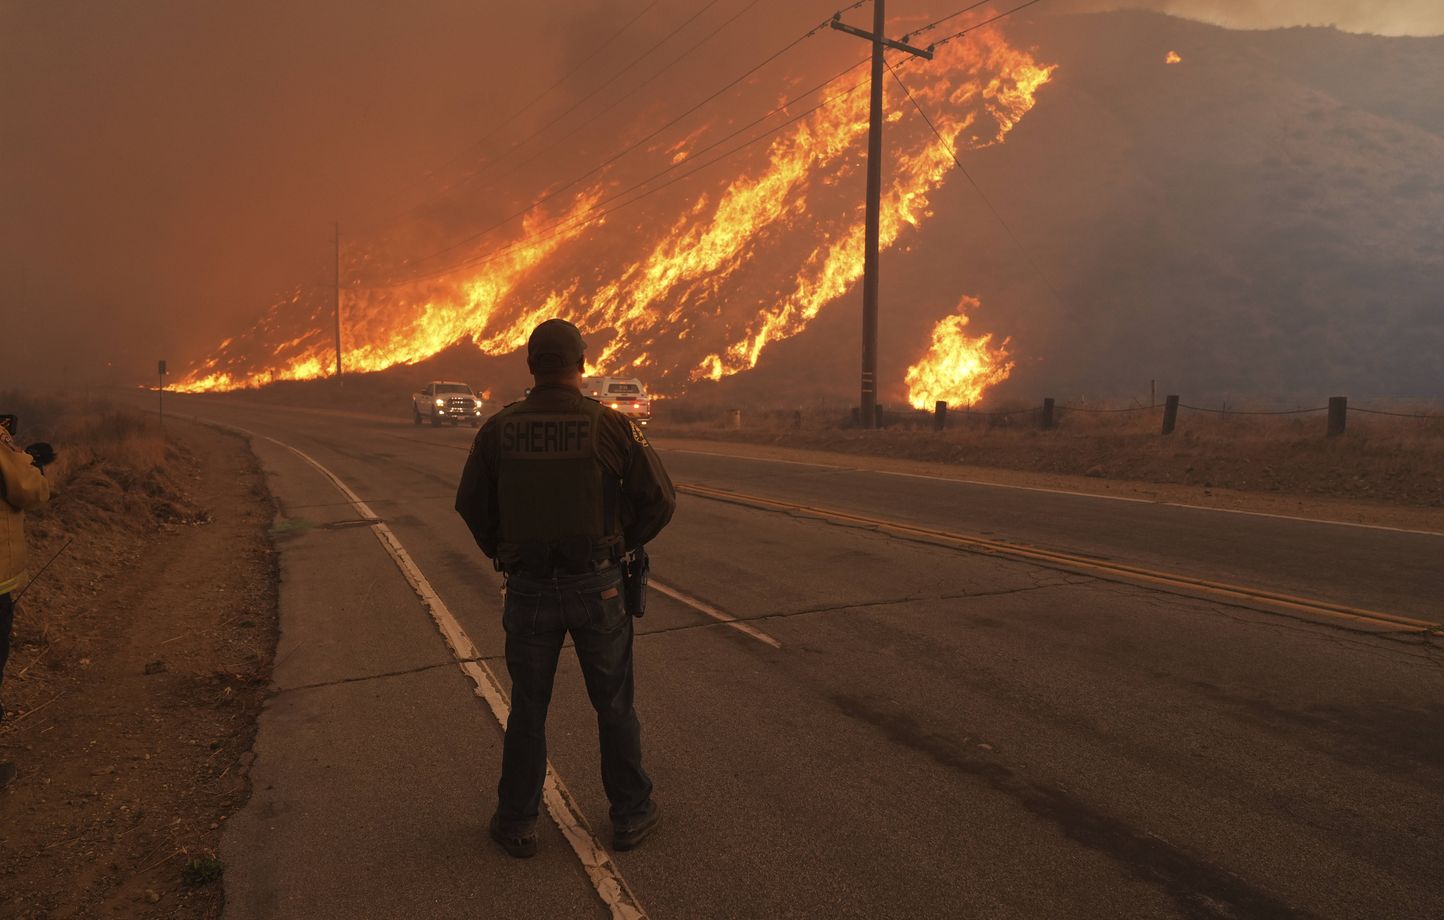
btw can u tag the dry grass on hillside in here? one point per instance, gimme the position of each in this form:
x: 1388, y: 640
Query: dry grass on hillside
x: 1398, y: 460
x: 114, y: 470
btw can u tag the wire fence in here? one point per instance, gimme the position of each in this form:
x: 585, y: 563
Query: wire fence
x: 1225, y: 411
x: 1436, y: 416
x: 1048, y: 414
x: 968, y: 412
x: 1096, y: 411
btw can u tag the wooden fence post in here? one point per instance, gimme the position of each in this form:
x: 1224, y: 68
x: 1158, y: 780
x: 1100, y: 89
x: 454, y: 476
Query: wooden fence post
x: 1170, y: 413
x: 1338, y: 415
x: 1048, y: 414
x: 940, y: 415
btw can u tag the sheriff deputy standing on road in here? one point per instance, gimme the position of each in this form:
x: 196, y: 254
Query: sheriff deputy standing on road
x: 559, y: 491
x: 23, y: 487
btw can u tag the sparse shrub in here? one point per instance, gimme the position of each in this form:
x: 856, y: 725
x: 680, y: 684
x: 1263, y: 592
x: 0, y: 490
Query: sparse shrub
x: 202, y: 870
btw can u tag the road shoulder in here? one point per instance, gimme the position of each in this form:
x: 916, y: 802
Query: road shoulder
x: 374, y: 757
x: 142, y: 661
x: 1373, y: 514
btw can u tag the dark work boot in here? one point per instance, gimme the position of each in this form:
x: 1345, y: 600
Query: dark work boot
x: 519, y: 846
x: 7, y: 774
x: 628, y: 835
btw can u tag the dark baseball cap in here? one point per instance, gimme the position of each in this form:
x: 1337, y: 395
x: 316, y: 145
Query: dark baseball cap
x: 554, y: 345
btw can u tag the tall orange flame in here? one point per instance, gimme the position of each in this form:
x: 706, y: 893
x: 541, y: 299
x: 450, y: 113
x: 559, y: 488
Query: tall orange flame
x: 731, y: 272
x: 957, y: 368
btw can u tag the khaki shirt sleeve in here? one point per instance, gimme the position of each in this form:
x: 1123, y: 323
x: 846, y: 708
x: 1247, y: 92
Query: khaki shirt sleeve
x: 648, y: 497
x: 25, y: 488
x: 476, y: 496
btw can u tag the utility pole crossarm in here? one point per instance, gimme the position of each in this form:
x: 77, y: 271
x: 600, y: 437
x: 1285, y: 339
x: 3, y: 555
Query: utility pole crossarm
x: 841, y: 26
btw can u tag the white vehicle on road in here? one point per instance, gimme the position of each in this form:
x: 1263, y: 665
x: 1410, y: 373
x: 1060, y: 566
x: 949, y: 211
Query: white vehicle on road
x: 446, y: 400
x: 625, y: 394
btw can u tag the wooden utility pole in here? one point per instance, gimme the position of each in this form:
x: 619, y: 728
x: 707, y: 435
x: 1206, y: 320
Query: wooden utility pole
x: 880, y: 42
x: 337, y: 225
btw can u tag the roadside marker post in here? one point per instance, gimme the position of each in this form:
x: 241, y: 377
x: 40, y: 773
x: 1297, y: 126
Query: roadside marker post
x: 1338, y: 415
x: 940, y: 415
x: 1170, y: 414
x: 1048, y: 413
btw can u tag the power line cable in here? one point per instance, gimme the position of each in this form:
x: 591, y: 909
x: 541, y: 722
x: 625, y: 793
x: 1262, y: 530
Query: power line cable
x: 599, y: 211
x: 976, y: 26
x: 645, y: 139
x: 506, y: 122
x: 557, y: 142
x: 587, y: 97
x: 948, y: 18
x: 977, y: 188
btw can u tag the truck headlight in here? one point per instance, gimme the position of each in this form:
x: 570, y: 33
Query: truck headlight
x: 441, y: 402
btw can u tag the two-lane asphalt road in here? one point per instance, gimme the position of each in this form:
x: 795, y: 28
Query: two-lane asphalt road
x: 911, y: 727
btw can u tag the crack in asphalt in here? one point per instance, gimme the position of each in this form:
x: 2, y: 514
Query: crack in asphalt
x: 912, y: 599
x: 383, y: 675
x: 689, y: 627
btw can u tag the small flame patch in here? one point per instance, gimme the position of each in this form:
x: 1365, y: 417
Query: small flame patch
x: 957, y: 368
x: 1173, y: 58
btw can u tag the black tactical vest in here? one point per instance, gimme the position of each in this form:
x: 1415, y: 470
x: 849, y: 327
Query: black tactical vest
x: 558, y: 502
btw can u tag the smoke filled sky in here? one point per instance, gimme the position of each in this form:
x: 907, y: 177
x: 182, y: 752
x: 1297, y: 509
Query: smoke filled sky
x: 169, y: 167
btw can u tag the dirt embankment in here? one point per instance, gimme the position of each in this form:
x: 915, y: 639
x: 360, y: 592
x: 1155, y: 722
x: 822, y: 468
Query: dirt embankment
x: 140, y: 663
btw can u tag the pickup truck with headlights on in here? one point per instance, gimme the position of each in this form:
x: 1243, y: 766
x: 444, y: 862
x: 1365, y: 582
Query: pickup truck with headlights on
x: 625, y: 394
x: 446, y: 400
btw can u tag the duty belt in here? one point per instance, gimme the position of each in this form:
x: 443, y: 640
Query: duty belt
x: 559, y: 570
x: 606, y: 574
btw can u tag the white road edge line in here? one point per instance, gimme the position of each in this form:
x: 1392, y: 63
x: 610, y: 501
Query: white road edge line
x: 720, y: 616
x: 606, y: 878
x: 1107, y: 498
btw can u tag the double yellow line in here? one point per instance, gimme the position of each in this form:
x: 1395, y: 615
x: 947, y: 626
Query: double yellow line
x: 1118, y: 571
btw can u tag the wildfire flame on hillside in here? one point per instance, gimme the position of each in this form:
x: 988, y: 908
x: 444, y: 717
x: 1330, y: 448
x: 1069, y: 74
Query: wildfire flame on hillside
x: 1173, y: 58
x: 957, y: 368
x: 712, y: 287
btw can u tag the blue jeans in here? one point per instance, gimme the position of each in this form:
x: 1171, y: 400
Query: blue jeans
x: 539, y: 614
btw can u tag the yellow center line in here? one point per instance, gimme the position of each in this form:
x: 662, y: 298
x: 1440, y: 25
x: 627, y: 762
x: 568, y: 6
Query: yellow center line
x: 1107, y: 568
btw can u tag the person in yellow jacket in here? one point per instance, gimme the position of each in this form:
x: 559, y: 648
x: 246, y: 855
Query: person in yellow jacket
x: 23, y: 487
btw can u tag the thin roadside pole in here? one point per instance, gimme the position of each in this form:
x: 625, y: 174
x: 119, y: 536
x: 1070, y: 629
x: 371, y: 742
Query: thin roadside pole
x: 337, y: 226
x: 160, y: 393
